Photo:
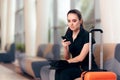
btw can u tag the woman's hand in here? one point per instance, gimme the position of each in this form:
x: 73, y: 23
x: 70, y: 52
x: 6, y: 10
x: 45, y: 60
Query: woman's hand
x: 66, y: 48
x: 69, y: 61
x: 65, y: 43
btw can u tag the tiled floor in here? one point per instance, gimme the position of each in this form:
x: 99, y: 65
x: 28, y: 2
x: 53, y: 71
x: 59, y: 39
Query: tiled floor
x: 9, y: 73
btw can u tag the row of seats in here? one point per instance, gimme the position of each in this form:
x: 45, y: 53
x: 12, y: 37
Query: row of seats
x: 111, y: 59
x: 38, y: 66
x: 33, y: 65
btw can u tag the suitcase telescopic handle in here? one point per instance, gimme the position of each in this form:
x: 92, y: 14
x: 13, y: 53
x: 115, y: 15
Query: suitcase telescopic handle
x: 98, y: 30
x: 91, y: 48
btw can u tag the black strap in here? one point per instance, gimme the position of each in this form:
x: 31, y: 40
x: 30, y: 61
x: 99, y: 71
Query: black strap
x: 83, y: 74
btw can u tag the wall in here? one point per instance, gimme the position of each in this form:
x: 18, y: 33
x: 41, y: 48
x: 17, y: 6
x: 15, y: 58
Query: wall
x: 110, y: 20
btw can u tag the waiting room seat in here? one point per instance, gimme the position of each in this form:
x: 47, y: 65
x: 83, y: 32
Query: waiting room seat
x: 49, y: 52
x: 33, y: 65
x: 9, y: 55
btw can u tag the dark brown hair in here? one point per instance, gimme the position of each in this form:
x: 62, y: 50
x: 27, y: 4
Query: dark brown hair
x: 75, y: 11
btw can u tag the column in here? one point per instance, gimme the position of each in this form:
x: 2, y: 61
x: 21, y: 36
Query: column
x: 11, y: 21
x: 42, y: 22
x: 110, y: 20
x: 3, y: 19
x: 97, y: 20
x: 55, y: 22
x: 30, y: 26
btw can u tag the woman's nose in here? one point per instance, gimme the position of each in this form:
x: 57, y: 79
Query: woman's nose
x: 71, y: 24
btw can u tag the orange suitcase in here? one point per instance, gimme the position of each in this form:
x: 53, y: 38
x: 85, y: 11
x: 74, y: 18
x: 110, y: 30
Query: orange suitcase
x: 97, y: 75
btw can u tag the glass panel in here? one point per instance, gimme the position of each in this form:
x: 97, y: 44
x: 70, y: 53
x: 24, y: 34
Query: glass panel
x: 19, y: 27
x: 87, y: 9
x: 0, y: 34
x: 58, y: 23
x: 0, y: 24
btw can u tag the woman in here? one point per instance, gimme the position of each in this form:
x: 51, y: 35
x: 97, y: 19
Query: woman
x: 77, y: 47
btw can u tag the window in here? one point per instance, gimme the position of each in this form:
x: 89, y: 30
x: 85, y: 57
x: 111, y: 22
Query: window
x: 87, y: 9
x: 19, y: 24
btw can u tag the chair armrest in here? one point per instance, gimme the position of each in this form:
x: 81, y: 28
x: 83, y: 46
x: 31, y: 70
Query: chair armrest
x: 78, y: 79
x: 28, y: 64
x: 3, y: 51
x: 36, y: 67
x: 32, y: 59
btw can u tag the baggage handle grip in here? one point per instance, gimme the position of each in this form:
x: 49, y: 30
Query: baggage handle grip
x: 93, y: 30
x: 91, y: 49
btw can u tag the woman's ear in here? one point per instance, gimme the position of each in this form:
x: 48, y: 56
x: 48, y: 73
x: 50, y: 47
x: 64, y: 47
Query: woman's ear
x: 81, y: 21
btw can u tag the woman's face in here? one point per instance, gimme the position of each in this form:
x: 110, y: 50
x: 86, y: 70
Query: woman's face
x: 73, y: 21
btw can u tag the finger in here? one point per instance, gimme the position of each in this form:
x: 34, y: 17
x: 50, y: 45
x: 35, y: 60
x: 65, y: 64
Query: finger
x: 64, y: 40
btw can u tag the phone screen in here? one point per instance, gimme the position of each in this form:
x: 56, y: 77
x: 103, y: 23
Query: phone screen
x: 64, y: 37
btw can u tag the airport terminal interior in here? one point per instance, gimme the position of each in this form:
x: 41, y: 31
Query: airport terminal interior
x: 31, y: 30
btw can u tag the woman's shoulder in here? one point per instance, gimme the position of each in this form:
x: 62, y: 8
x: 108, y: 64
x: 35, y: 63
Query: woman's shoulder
x: 68, y: 32
x: 85, y: 32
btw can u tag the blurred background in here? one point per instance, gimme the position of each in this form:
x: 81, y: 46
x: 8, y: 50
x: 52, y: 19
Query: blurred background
x: 29, y: 23
x: 32, y: 22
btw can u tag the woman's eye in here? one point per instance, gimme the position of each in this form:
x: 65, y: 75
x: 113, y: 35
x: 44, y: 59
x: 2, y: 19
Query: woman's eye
x: 74, y: 20
x: 68, y: 20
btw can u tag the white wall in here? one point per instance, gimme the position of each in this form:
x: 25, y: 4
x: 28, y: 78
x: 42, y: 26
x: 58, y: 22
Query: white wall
x: 110, y: 20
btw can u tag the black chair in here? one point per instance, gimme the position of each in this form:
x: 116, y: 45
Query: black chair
x: 8, y: 56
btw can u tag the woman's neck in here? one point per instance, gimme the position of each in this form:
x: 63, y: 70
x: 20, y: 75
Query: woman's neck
x: 75, y: 33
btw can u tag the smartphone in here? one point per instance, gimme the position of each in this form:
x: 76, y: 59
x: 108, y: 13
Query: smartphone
x: 64, y: 37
